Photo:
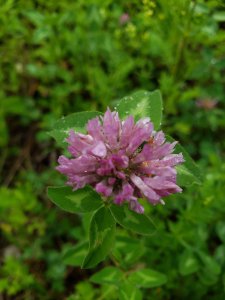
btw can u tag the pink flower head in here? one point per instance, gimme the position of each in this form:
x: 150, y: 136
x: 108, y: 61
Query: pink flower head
x: 124, y: 18
x: 207, y: 104
x: 122, y: 160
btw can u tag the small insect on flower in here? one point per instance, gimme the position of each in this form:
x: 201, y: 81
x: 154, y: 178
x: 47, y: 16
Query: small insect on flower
x: 122, y: 160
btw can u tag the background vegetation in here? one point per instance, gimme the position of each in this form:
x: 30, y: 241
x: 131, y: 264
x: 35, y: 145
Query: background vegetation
x: 58, y: 57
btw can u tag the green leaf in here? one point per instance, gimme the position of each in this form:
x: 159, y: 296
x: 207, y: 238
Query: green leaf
x: 188, y: 263
x: 188, y: 172
x: 210, y: 264
x: 128, y: 291
x: 207, y: 278
x: 128, y: 250
x: 147, y: 278
x: 185, y: 177
x: 131, y: 220
x: 142, y: 104
x: 219, y: 16
x: 209, y: 272
x: 101, y: 237
x: 76, y: 121
x: 110, y: 275
x: 220, y: 254
x: 75, y: 255
x: 79, y: 201
x: 220, y: 230
x: 4, y: 134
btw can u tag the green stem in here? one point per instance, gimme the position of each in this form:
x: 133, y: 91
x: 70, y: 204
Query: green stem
x: 183, y: 41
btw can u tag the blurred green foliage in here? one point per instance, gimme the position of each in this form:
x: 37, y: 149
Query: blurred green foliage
x: 59, y: 57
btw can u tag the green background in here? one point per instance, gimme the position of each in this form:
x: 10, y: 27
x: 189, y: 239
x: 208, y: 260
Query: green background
x: 60, y: 57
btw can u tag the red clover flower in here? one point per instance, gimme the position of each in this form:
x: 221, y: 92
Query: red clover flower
x: 122, y: 160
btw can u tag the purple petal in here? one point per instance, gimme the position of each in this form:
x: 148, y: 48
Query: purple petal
x: 166, y: 172
x: 125, y: 194
x: 160, y: 183
x: 106, y: 167
x: 103, y: 188
x: 94, y: 129
x: 145, y: 155
x: 159, y: 138
x: 135, y: 206
x: 111, y: 181
x: 120, y: 162
x: 78, y: 181
x: 99, y: 149
x: 163, y: 150
x: 80, y: 165
x: 141, y: 134
x: 111, y: 127
x: 120, y: 174
x: 172, y: 160
x: 126, y: 132
x: 79, y: 143
x: 145, y: 189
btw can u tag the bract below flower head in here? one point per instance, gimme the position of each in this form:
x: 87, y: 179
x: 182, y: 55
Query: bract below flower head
x: 122, y: 160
